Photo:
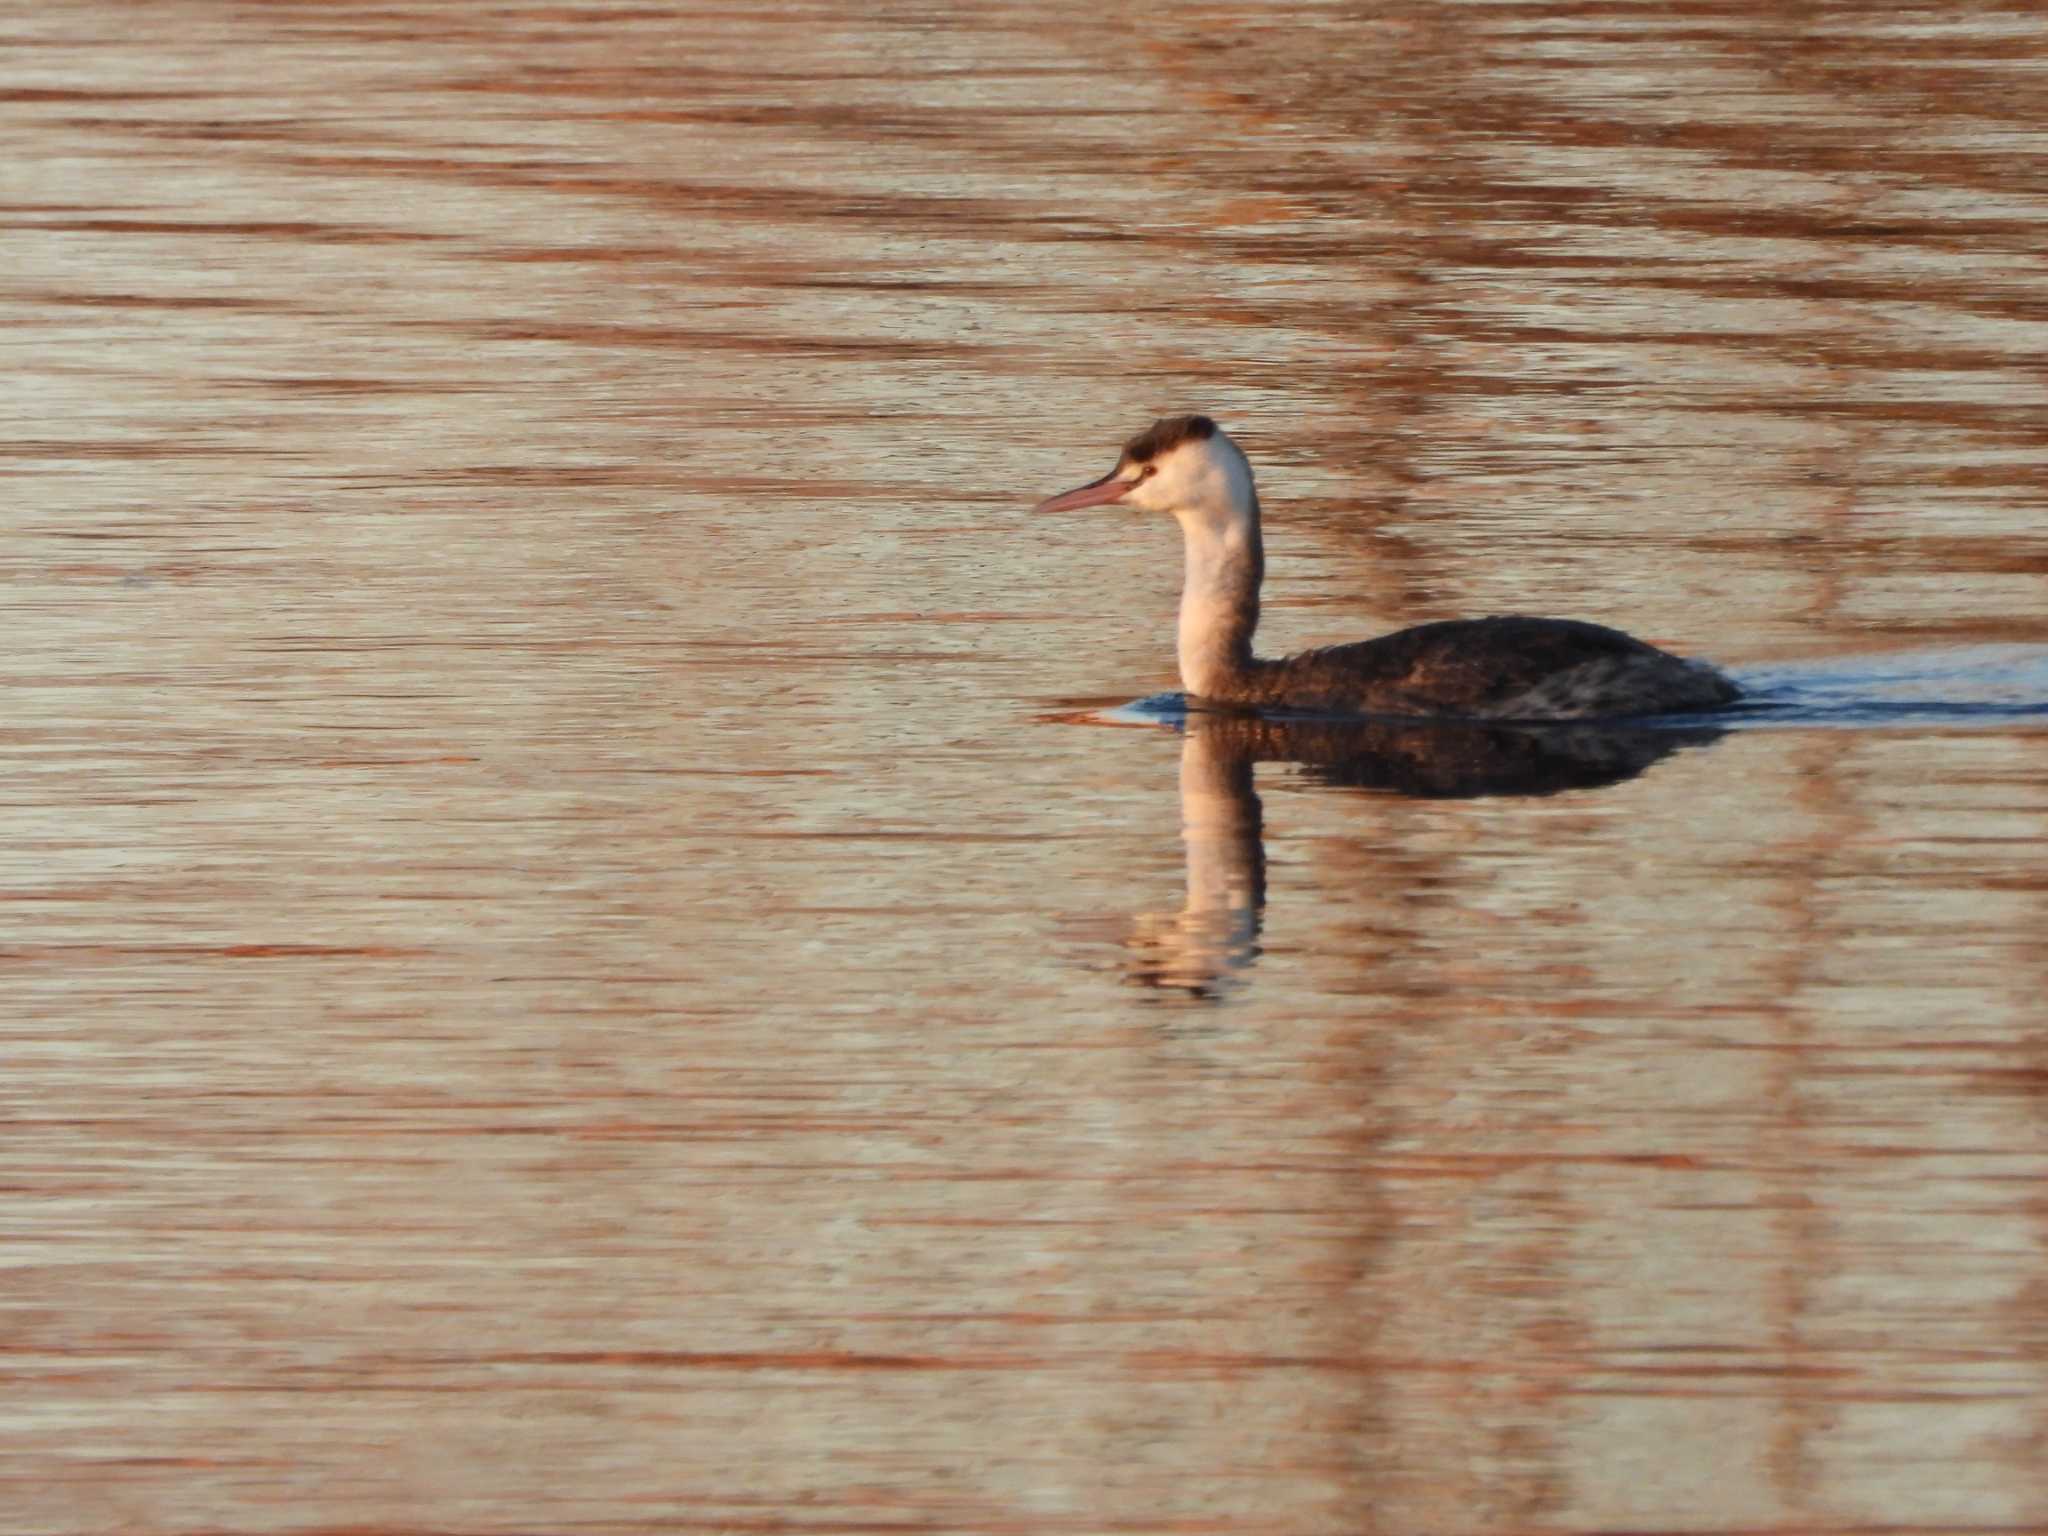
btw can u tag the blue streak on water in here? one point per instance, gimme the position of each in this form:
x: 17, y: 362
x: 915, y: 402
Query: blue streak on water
x: 1984, y: 686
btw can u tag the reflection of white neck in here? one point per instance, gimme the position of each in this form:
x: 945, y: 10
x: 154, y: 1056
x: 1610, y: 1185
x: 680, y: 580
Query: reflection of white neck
x: 1219, y: 822
x: 1219, y: 598
x: 1216, y: 932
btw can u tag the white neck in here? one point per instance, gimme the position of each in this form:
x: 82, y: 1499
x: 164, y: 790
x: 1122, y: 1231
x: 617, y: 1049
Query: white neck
x: 1219, y: 599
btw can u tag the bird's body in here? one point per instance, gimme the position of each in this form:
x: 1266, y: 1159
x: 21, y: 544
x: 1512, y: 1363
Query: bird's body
x: 1506, y: 668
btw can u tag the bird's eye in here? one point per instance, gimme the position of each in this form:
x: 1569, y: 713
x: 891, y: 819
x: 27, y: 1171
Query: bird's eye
x: 1149, y: 471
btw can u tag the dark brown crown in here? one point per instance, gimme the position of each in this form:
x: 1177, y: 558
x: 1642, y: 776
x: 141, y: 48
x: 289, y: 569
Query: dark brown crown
x: 1166, y: 434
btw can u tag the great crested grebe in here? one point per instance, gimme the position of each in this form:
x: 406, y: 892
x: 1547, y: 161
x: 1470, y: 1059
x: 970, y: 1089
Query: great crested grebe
x: 1508, y: 668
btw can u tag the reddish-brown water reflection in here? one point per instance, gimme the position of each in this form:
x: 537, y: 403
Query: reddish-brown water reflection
x: 560, y: 975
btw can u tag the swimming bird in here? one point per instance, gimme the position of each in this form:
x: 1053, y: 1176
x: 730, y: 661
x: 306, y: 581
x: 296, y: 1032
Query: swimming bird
x: 1505, y: 668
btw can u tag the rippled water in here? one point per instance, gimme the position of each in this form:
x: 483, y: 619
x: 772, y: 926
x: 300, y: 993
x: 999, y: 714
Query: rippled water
x: 584, y: 945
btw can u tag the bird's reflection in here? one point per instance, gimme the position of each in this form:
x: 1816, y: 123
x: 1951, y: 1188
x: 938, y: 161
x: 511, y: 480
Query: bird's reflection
x: 1203, y: 949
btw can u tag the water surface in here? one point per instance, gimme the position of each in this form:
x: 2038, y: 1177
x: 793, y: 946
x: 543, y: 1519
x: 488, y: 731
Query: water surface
x: 576, y: 953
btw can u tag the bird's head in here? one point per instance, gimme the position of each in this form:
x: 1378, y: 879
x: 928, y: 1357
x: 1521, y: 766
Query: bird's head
x: 1185, y: 465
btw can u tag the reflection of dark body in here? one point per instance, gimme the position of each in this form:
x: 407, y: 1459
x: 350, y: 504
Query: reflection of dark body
x: 1216, y: 933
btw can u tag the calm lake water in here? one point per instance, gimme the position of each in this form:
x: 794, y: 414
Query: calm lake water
x: 586, y: 945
